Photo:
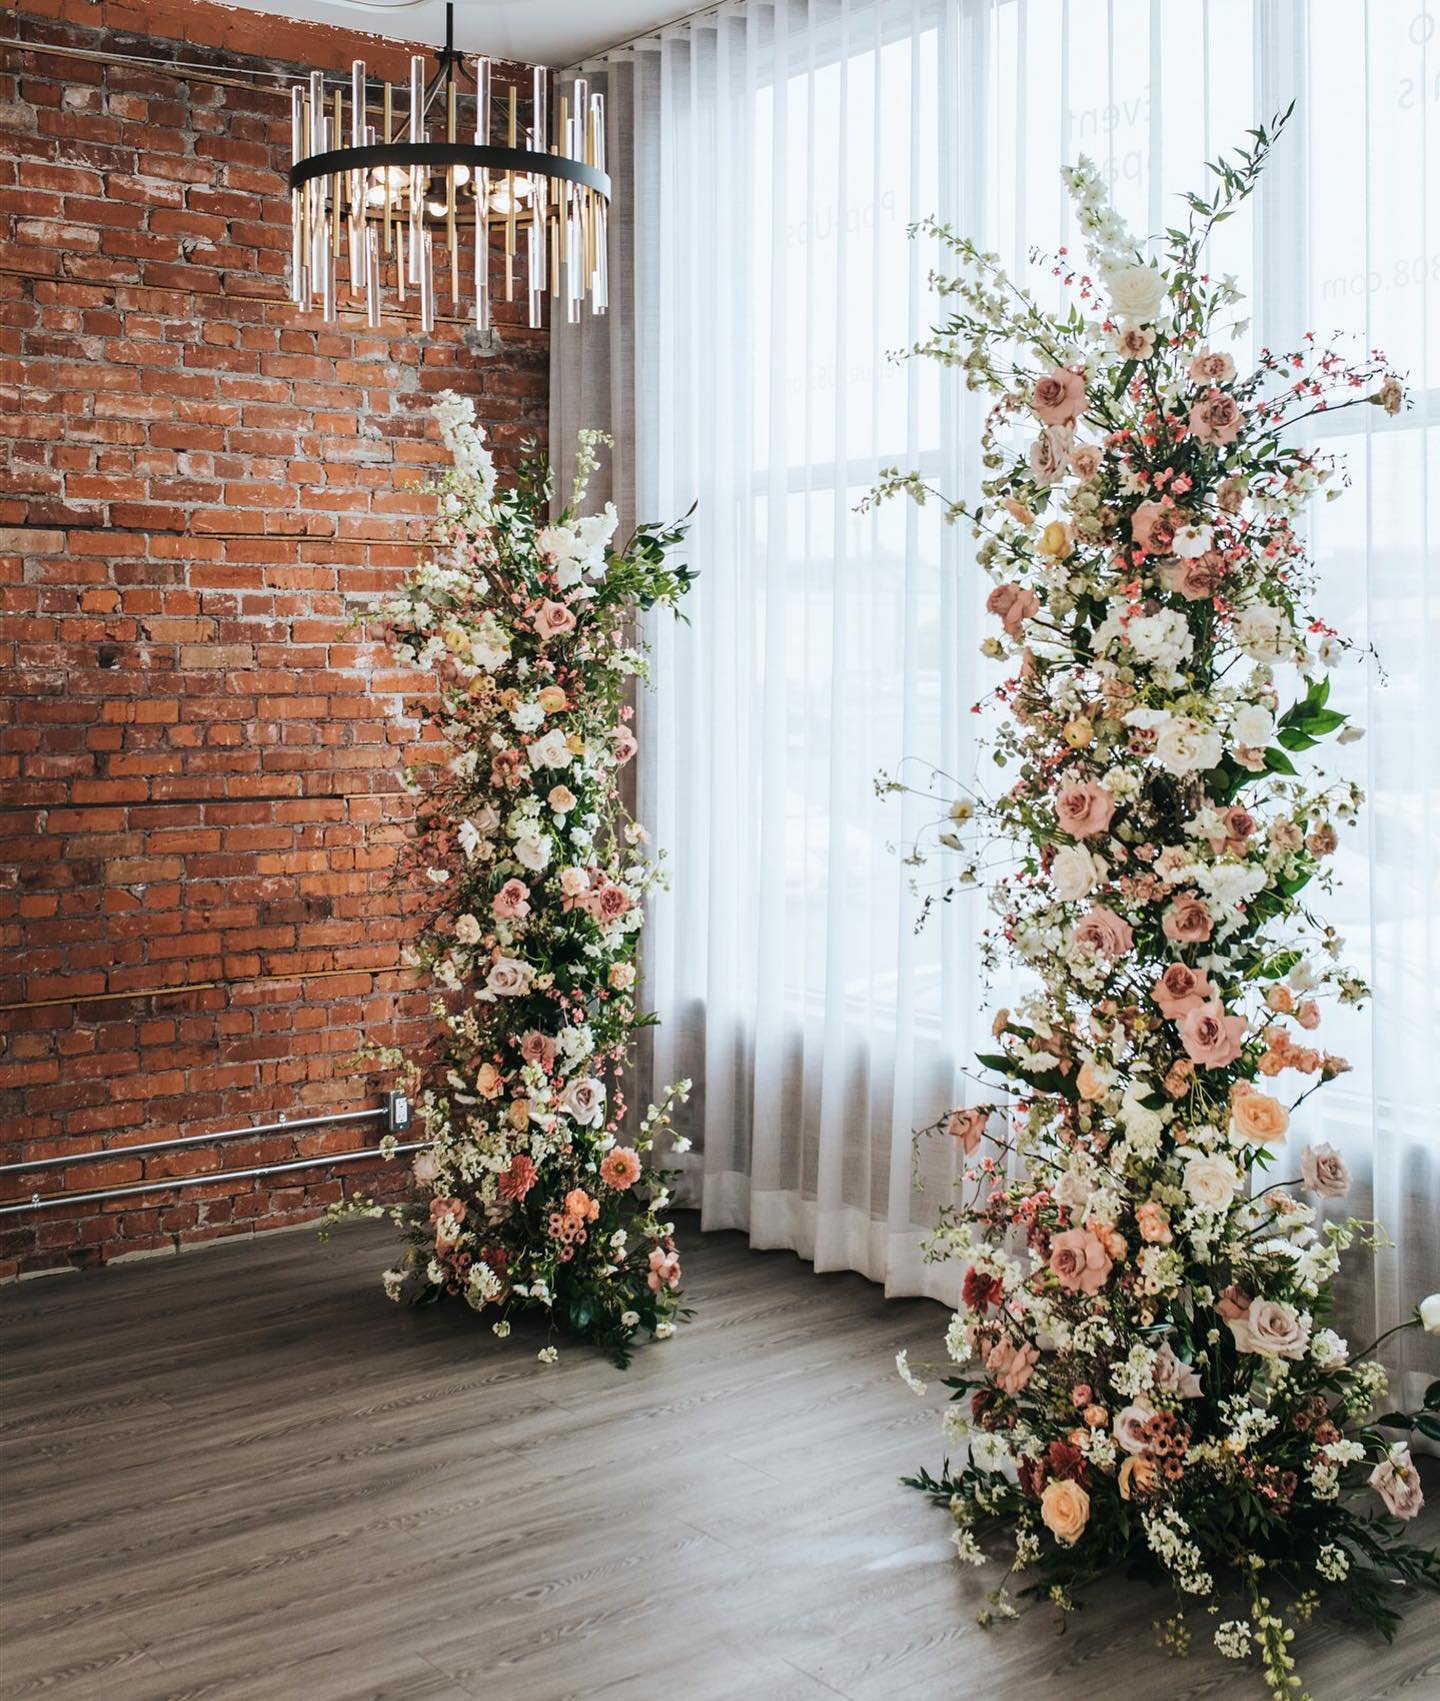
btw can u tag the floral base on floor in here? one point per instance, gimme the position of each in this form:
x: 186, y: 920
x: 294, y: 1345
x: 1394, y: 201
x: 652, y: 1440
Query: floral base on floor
x: 1143, y: 1366
x: 533, y: 1196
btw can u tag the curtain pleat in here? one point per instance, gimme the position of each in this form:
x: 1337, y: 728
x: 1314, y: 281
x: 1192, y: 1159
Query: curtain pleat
x: 775, y: 154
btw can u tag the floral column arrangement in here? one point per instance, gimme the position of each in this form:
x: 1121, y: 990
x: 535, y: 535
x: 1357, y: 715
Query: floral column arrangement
x: 1143, y: 1365
x: 532, y: 1195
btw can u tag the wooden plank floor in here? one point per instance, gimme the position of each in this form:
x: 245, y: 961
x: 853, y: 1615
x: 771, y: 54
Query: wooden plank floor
x: 242, y: 1473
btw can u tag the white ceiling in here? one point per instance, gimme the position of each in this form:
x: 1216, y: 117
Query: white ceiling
x: 540, y: 32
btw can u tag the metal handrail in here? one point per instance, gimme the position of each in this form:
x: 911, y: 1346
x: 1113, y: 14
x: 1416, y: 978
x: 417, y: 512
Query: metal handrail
x: 165, y: 1184
x: 62, y: 1160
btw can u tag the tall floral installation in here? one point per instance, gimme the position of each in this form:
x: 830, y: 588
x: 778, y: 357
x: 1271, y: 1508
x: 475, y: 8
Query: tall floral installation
x: 532, y: 1196
x: 1142, y: 1367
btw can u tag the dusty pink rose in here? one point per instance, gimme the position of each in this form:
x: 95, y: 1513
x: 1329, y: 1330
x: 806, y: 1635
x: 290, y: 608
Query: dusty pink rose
x: 512, y: 901
x: 1059, y: 397
x: 1102, y: 931
x: 1129, y: 1427
x: 1323, y: 1171
x: 1217, y: 419
x: 1079, y: 1261
x: 1011, y: 1365
x: 1397, y: 1482
x: 620, y: 1168
x: 623, y: 744
x: 1153, y: 526
x: 539, y: 1048
x: 1187, y: 922
x: 1196, y: 579
x: 1210, y: 1037
x: 968, y: 1127
x: 1014, y: 604
x: 1180, y: 989
x: 1083, y: 808
x: 610, y: 903
x: 1233, y: 1302
x: 553, y: 619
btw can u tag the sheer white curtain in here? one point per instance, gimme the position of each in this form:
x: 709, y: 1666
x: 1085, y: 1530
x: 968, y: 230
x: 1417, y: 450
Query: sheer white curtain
x: 772, y: 156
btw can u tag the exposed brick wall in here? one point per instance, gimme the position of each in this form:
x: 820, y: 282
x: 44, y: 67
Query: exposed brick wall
x: 201, y: 763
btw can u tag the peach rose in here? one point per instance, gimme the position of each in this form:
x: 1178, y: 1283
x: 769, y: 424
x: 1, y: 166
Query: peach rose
x: 1010, y: 1365
x: 1084, y: 808
x: 553, y: 619
x: 1233, y: 1302
x: 551, y: 698
x: 1153, y: 526
x: 1258, y: 1119
x: 1079, y: 1261
x: 1210, y: 1037
x: 1065, y: 1510
x: 968, y: 1127
x: 1137, y: 1476
x: 1187, y: 922
x: 489, y: 1081
x: 1059, y: 397
x: 1217, y: 419
x: 1153, y: 1221
x: 1014, y: 604
x: 1180, y: 989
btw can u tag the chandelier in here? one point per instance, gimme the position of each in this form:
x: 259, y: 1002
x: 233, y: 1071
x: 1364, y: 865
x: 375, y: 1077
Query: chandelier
x: 391, y: 201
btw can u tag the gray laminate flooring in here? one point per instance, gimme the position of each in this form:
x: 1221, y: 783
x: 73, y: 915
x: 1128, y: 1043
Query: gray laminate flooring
x: 241, y: 1473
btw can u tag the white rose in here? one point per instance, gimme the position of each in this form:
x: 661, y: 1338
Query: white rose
x: 1211, y: 1180
x: 1430, y: 1313
x: 467, y: 930
x: 532, y: 851
x: 1253, y: 726
x: 1263, y: 633
x: 1073, y: 872
x: 1135, y: 292
x: 1185, y: 747
x: 551, y: 751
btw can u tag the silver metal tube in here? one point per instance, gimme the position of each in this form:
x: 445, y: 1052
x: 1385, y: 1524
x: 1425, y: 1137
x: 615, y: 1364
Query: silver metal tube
x: 321, y: 1161
x: 62, y: 1160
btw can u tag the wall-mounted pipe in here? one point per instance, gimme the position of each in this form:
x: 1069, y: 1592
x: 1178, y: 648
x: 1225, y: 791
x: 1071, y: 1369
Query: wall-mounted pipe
x: 324, y: 1161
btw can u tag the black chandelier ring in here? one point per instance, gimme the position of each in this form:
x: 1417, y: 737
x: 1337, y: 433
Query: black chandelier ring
x: 521, y: 161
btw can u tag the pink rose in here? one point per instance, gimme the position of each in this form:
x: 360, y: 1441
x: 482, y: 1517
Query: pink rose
x: 1130, y: 1430
x: 539, y: 1048
x: 1233, y: 1302
x: 1210, y: 1037
x: 512, y: 901
x: 1323, y: 1171
x: 1153, y: 526
x: 1187, y: 922
x: 553, y: 619
x: 1084, y: 808
x: 611, y: 902
x: 1180, y: 989
x: 1085, y: 460
x: 1397, y: 1482
x: 1059, y: 397
x: 1010, y: 1365
x: 1102, y: 931
x: 1207, y: 368
x: 1196, y: 579
x: 1217, y: 419
x: 1079, y: 1261
x: 1014, y: 604
x: 623, y: 744
x: 968, y: 1127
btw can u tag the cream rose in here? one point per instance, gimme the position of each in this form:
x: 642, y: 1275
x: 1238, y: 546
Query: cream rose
x: 509, y: 978
x: 1135, y: 292
x: 1065, y: 1510
x: 1074, y: 872
x: 1211, y: 1180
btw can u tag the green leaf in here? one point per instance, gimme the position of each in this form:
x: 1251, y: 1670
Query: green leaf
x: 1277, y: 762
x: 1293, y: 739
